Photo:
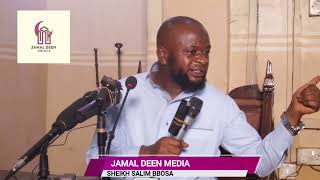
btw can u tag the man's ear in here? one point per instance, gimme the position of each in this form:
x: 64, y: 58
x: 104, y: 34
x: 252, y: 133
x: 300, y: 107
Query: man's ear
x: 162, y: 54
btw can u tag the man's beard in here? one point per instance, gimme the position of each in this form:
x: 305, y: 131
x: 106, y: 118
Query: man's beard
x: 183, y: 80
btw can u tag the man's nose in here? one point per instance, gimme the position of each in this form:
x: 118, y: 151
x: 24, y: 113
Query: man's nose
x: 202, y: 58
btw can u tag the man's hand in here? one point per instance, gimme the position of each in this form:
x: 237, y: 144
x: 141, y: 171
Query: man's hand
x: 305, y: 100
x: 164, y: 146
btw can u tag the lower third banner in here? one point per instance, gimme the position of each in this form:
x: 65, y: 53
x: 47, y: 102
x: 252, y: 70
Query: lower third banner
x: 168, y: 166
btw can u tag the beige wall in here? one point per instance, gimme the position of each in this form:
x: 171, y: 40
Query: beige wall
x: 22, y: 89
x: 22, y: 109
x: 306, y: 66
x: 251, y: 46
x: 294, y: 57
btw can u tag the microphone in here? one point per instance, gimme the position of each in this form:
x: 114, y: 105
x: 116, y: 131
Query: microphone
x: 83, y: 109
x: 87, y: 106
x: 194, y: 110
x: 179, y: 117
x: 66, y: 120
x: 79, y: 111
x: 131, y: 83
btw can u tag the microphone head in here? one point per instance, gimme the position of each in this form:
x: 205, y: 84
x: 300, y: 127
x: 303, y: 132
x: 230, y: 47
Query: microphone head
x: 118, y: 45
x: 111, y: 84
x: 131, y: 82
x: 89, y: 105
x: 82, y: 109
x: 179, y: 117
x: 70, y: 116
x: 195, y: 106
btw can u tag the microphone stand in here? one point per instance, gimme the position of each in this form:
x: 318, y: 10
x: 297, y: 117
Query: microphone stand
x: 119, y: 46
x: 131, y: 83
x: 101, y: 123
x: 44, y: 163
x: 111, y: 133
x: 51, y: 136
x: 102, y: 135
x: 96, y: 65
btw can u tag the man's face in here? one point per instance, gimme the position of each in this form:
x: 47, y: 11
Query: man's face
x: 188, y: 57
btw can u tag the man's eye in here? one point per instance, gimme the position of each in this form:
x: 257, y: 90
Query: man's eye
x: 192, y: 52
x: 207, y: 51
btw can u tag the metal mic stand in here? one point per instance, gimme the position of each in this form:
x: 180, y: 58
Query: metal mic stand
x: 101, y: 126
x: 43, y: 163
x: 96, y: 65
x: 119, y: 46
x: 101, y: 123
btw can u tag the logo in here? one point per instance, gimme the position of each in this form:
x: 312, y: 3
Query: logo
x: 43, y: 38
x: 43, y: 34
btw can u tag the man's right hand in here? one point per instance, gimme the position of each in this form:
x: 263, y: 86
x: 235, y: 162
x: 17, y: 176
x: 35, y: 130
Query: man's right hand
x: 164, y: 146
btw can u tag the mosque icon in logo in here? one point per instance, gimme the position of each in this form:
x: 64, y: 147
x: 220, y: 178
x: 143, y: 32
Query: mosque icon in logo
x: 43, y: 33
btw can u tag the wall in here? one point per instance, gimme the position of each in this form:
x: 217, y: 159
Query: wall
x: 306, y: 65
x: 289, y: 38
x: 22, y: 89
x: 251, y: 46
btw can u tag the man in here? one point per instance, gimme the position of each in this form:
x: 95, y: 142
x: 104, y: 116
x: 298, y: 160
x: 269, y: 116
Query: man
x: 183, y: 48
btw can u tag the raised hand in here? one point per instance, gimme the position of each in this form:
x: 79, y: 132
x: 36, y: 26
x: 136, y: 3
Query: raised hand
x: 305, y: 100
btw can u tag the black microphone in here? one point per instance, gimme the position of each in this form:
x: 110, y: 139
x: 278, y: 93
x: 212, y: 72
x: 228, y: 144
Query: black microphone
x: 87, y: 106
x: 179, y: 117
x: 130, y: 83
x: 83, y: 109
x: 79, y: 111
x: 66, y: 120
x: 33, y: 151
x: 194, y: 110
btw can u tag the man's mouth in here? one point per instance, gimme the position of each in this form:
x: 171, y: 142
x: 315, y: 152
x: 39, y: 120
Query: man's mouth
x: 198, y: 72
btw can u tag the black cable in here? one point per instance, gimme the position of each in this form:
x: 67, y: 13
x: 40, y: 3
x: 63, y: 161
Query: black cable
x: 315, y: 129
x: 298, y: 171
x: 295, y: 174
x: 32, y: 172
x: 66, y: 138
x: 312, y: 167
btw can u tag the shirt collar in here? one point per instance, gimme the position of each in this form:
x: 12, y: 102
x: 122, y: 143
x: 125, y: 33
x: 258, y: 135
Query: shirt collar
x: 154, y: 68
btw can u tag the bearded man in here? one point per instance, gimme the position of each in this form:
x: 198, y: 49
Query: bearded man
x: 183, y: 49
